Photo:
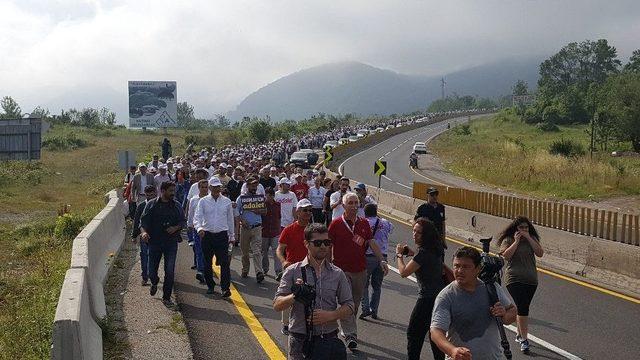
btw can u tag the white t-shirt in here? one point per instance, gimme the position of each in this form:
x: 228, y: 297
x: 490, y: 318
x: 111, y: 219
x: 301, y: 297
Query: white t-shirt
x: 287, y: 202
x: 316, y: 196
x: 367, y: 200
x: 336, y: 198
x: 143, y: 183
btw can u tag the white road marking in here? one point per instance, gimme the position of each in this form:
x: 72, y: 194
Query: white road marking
x: 403, y: 185
x: 531, y: 337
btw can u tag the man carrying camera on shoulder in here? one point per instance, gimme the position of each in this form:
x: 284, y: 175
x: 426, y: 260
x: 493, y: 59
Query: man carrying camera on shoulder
x: 463, y: 324
x: 319, y: 295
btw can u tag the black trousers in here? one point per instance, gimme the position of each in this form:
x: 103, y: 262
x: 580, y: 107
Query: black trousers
x: 216, y: 244
x: 418, y: 328
x: 318, y: 216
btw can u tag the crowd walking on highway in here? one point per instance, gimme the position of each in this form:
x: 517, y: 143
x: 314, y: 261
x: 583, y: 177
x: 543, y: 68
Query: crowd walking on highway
x: 323, y: 240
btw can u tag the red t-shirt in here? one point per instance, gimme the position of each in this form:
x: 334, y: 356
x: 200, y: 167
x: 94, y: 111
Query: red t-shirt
x: 349, y: 247
x: 301, y: 190
x: 293, y: 237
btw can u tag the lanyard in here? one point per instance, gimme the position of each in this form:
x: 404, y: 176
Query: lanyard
x: 351, y: 229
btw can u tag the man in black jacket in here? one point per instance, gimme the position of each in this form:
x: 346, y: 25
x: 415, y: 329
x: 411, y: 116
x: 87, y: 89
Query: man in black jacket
x: 434, y: 211
x: 150, y: 193
x: 160, y: 225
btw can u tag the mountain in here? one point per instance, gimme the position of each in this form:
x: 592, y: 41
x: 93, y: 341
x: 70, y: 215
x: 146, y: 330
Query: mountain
x: 353, y: 87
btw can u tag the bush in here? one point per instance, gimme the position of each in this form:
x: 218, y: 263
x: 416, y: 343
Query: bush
x: 201, y: 140
x: 547, y: 127
x: 531, y: 116
x: 464, y: 130
x: 68, y: 226
x: 566, y: 148
x: 22, y: 172
x: 63, y: 142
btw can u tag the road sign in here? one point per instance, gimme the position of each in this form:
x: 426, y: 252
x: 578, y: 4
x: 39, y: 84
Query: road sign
x: 126, y: 158
x: 380, y: 168
x: 328, y: 156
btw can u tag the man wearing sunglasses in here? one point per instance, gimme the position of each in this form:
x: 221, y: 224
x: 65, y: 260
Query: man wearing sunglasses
x: 434, y: 211
x: 291, y: 248
x: 333, y: 300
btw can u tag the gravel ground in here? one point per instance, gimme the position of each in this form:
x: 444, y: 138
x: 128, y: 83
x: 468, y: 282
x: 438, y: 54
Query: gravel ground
x: 148, y: 329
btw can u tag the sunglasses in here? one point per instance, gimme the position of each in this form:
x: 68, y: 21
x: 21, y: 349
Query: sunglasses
x: 318, y: 243
x: 305, y: 210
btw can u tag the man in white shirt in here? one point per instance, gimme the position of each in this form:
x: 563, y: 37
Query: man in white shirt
x: 335, y: 201
x: 214, y: 222
x: 363, y: 197
x: 288, y: 201
x: 316, y: 196
x: 194, y: 239
x: 161, y: 177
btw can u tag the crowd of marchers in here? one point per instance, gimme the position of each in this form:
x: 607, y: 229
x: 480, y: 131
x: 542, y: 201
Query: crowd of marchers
x: 325, y: 243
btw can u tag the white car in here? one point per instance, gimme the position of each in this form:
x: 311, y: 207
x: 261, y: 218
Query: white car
x: 330, y: 144
x: 379, y: 129
x: 362, y: 133
x: 420, y: 148
x: 353, y: 138
x: 343, y: 141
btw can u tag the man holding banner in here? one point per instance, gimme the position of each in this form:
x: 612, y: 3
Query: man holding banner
x: 249, y: 209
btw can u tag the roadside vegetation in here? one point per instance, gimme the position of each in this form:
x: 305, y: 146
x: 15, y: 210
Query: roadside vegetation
x: 506, y: 152
x: 586, y: 105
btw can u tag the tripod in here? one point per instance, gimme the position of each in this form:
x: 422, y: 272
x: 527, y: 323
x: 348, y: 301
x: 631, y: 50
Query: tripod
x: 493, y: 298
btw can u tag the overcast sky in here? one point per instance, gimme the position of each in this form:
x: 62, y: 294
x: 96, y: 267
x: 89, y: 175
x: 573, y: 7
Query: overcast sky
x: 64, y: 53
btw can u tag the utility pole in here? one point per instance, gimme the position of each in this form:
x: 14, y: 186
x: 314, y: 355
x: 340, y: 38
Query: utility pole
x: 442, y: 83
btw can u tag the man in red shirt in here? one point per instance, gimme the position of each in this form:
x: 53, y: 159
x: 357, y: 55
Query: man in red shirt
x: 291, y: 247
x: 351, y: 237
x: 300, y: 188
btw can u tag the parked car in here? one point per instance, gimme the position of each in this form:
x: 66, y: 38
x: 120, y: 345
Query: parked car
x: 379, y: 129
x: 353, y: 138
x: 312, y: 157
x: 300, y: 158
x: 343, y: 141
x: 330, y: 144
x: 420, y: 148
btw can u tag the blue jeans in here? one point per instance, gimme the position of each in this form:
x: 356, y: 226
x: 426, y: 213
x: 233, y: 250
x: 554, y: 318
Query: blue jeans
x: 144, y: 260
x: 197, y: 249
x: 374, y: 277
x: 156, y: 252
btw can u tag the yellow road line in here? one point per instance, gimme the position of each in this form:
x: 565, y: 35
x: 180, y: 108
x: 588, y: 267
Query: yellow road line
x: 545, y: 271
x: 270, y: 347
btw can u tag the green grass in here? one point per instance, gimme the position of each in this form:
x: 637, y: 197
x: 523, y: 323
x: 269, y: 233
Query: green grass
x: 176, y: 325
x: 505, y: 152
x: 33, y: 260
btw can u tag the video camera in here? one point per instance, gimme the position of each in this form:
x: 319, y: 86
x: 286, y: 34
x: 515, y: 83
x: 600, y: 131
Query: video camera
x: 490, y: 265
x: 304, y: 293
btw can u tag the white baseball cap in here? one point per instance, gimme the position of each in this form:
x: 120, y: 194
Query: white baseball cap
x: 303, y: 204
x: 214, y: 181
x: 285, y: 181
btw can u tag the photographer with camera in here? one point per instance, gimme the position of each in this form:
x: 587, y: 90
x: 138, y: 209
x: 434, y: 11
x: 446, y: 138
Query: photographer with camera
x: 520, y: 244
x: 427, y: 264
x: 463, y: 323
x: 318, y: 294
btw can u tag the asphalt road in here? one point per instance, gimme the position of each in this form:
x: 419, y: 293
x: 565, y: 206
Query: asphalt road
x: 582, y: 322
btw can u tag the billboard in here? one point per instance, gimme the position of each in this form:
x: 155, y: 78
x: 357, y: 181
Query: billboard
x: 153, y: 104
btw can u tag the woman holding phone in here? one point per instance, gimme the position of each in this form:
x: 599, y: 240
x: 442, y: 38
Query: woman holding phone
x: 520, y: 245
x: 428, y: 265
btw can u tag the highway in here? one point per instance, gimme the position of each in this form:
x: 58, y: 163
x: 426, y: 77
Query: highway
x: 568, y: 320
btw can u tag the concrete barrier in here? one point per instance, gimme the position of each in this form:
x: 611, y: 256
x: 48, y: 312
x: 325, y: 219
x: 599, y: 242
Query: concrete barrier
x: 81, y: 304
x: 608, y: 264
x: 76, y: 335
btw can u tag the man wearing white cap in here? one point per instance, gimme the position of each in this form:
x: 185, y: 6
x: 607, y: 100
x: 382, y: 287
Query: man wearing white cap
x: 288, y: 201
x: 161, y: 177
x: 222, y: 174
x: 214, y: 222
x: 140, y: 181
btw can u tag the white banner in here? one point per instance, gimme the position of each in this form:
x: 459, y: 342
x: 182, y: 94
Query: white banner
x: 153, y: 104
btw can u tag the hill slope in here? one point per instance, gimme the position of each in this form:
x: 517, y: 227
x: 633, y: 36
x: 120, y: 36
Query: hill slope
x: 352, y: 87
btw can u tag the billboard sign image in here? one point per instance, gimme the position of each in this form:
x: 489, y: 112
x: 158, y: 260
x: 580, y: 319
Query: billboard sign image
x: 153, y: 104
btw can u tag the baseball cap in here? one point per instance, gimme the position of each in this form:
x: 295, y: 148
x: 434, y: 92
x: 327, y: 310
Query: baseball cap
x: 214, y: 181
x: 142, y: 165
x: 360, y: 186
x: 162, y: 166
x: 285, y: 181
x: 303, y: 204
x: 432, y: 190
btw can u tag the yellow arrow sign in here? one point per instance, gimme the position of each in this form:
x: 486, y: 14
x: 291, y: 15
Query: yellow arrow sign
x: 328, y: 155
x: 380, y: 168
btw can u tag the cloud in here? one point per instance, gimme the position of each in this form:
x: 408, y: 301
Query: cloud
x: 82, y: 53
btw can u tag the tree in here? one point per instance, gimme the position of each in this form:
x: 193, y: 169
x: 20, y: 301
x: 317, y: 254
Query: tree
x: 10, y: 108
x: 185, y: 115
x: 520, y: 88
x: 221, y: 121
x: 634, y: 62
x: 620, y: 98
x: 40, y: 112
x: 260, y: 131
x: 107, y: 117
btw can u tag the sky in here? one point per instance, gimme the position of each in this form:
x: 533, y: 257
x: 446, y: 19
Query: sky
x: 75, y: 53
